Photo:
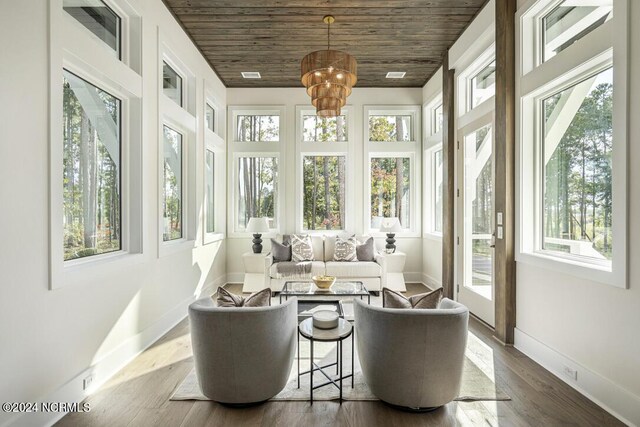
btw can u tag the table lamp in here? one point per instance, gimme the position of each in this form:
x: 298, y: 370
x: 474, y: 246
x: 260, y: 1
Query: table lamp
x: 391, y: 226
x: 257, y: 226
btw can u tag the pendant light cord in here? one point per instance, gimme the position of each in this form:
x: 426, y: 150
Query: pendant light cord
x: 328, y: 36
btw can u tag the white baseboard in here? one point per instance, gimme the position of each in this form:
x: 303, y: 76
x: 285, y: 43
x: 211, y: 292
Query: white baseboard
x: 619, y: 402
x: 431, y: 282
x: 107, y: 366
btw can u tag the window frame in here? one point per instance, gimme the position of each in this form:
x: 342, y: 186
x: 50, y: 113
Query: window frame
x: 183, y: 184
x: 317, y: 148
x: 464, y: 90
x: 101, y: 68
x: 595, y: 52
x: 254, y: 149
x: 394, y: 110
x: 430, y: 192
x: 215, y: 143
x: 114, y: 9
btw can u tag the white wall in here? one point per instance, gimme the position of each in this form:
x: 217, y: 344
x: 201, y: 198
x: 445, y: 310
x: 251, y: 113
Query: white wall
x: 50, y: 339
x: 431, y: 244
x: 290, y: 97
x: 592, y: 327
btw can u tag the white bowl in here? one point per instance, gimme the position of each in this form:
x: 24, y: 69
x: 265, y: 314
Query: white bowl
x: 325, y: 319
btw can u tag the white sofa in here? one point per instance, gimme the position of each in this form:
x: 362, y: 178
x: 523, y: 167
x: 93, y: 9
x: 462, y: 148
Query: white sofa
x: 371, y: 273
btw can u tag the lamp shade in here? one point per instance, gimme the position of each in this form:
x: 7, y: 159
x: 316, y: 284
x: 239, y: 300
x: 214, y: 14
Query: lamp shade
x: 258, y: 225
x: 390, y: 225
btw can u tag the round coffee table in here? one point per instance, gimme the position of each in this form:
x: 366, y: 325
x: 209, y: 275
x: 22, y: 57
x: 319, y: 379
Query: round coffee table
x: 337, y: 334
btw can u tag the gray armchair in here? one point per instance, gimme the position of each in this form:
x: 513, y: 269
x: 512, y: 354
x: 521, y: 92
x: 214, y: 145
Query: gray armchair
x: 412, y: 358
x: 243, y: 355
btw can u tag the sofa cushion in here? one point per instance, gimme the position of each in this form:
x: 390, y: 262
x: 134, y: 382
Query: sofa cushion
x: 393, y: 299
x: 262, y: 298
x: 365, y: 251
x: 281, y: 252
x: 301, y: 248
x: 353, y: 269
x: 317, y: 268
x: 345, y: 249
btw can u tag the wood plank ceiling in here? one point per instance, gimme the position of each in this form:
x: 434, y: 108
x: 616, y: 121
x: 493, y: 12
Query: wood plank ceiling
x: 272, y: 36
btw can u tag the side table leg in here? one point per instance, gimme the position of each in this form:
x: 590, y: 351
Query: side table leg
x: 353, y: 366
x: 311, y: 373
x: 340, y: 344
x: 298, y: 359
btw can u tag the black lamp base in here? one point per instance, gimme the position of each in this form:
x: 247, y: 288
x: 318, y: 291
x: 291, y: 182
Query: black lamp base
x: 257, y: 243
x: 391, y: 243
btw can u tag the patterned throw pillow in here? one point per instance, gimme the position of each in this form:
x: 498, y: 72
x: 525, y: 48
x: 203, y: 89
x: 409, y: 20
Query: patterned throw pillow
x: 392, y: 299
x: 301, y: 248
x: 345, y: 249
x: 257, y: 299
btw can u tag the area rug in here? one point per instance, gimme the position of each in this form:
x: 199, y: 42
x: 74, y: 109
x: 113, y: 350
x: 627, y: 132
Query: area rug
x: 476, y: 385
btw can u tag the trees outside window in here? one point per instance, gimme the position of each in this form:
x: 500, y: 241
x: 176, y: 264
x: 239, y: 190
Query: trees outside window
x: 388, y: 128
x: 324, y: 192
x: 257, y: 189
x: 209, y: 191
x: 577, y: 152
x: 172, y: 185
x: 258, y: 128
x: 324, y: 129
x: 91, y: 169
x: 390, y: 189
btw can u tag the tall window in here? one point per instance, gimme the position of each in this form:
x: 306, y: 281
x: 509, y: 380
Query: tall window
x: 577, y: 149
x: 98, y: 18
x: 574, y: 148
x: 390, y: 190
x: 172, y: 185
x: 209, y: 201
x: 324, y: 187
x: 91, y: 169
x: 257, y: 190
x: 387, y: 128
x: 324, y: 129
x: 436, y: 181
x: 258, y: 128
x: 172, y: 84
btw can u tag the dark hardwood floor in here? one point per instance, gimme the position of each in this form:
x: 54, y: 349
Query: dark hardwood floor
x: 139, y: 396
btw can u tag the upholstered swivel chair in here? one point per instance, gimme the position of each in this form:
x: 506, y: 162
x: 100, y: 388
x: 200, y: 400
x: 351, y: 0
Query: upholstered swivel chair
x: 412, y: 358
x: 243, y: 355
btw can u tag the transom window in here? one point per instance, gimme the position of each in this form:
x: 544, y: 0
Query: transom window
x: 324, y: 129
x: 570, y: 21
x: 258, y: 128
x: 91, y: 169
x: 98, y: 18
x: 172, y: 84
x: 389, y: 128
x: 483, y: 85
x: 209, y: 117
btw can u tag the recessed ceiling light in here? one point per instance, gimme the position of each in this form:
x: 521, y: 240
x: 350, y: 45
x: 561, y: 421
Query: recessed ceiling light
x: 396, y: 74
x: 251, y: 75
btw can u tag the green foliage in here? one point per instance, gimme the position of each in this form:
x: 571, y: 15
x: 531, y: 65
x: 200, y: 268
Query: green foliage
x: 577, y: 187
x: 390, y: 184
x: 257, y: 188
x: 91, y: 193
x: 323, y: 192
x: 258, y: 128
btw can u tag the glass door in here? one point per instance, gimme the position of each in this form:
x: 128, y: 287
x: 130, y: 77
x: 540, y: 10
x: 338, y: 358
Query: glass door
x: 475, y: 259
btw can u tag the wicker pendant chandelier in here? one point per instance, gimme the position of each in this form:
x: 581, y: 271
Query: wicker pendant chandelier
x: 329, y: 75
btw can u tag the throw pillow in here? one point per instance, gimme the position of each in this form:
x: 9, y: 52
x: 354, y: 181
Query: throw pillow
x: 280, y: 252
x: 345, y: 249
x: 366, y: 250
x: 301, y: 248
x: 257, y: 299
x: 393, y: 299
